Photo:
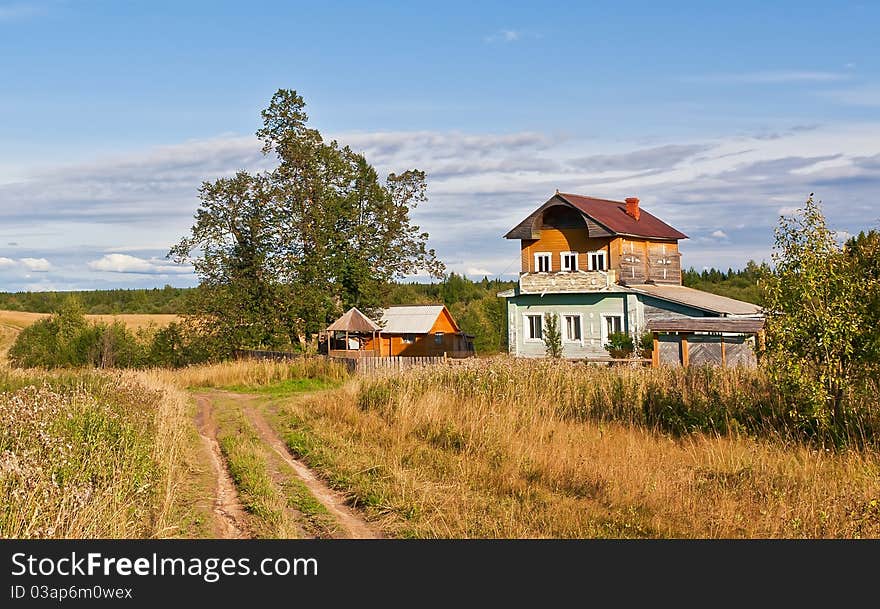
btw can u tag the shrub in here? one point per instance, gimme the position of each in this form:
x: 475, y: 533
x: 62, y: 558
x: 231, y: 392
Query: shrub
x: 69, y: 340
x: 646, y: 344
x: 620, y: 345
x: 552, y: 335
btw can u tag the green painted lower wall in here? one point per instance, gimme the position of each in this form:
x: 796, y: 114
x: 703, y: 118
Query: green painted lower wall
x: 593, y: 310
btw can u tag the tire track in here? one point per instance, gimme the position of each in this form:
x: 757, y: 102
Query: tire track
x: 229, y: 515
x: 354, y: 525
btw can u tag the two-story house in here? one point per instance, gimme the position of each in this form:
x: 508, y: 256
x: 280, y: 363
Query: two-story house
x: 601, y: 266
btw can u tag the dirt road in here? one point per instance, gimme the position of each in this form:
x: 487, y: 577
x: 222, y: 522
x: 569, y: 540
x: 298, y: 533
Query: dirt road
x: 228, y: 509
x: 229, y: 514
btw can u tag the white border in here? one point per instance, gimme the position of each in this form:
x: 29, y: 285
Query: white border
x: 604, y: 260
x: 564, y: 327
x: 603, y: 328
x: 526, y: 338
x: 549, y: 259
x: 577, y: 264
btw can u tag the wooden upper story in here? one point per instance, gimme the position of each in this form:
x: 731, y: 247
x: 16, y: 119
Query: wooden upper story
x: 605, y: 241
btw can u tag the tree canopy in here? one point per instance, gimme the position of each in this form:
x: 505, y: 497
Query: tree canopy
x: 823, y: 339
x: 281, y: 252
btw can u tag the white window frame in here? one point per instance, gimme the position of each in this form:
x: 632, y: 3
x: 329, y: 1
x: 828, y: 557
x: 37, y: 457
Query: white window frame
x: 590, y: 264
x: 564, y: 324
x: 527, y: 328
x: 562, y: 257
x: 438, y: 338
x: 549, y: 257
x: 603, y: 328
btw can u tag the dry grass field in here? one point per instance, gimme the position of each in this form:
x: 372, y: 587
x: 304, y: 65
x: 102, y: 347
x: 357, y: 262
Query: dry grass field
x: 21, y: 319
x: 87, y: 454
x: 491, y: 450
x: 494, y: 448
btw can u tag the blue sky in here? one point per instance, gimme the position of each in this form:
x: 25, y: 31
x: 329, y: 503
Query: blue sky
x: 718, y: 116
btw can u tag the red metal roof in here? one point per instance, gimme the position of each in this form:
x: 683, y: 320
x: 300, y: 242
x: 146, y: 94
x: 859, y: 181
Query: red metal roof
x: 612, y: 215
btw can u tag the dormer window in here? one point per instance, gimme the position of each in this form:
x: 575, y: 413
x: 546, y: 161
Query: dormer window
x: 542, y: 262
x: 568, y: 261
x: 597, y: 261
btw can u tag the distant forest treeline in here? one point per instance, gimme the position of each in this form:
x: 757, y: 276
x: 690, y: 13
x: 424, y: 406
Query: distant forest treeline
x: 100, y: 302
x: 474, y: 304
x: 740, y: 284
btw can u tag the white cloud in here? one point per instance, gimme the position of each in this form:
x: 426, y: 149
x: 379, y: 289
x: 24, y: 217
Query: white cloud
x: 471, y: 270
x: 770, y: 77
x: 719, y: 234
x: 123, y: 263
x: 504, y: 36
x: 479, y: 186
x: 6, y: 263
x: 37, y: 265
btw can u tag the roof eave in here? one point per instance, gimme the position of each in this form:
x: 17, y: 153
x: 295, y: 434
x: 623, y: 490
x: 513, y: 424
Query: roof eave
x: 677, y: 301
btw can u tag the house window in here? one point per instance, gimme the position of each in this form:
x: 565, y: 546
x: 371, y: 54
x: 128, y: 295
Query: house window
x: 542, y: 262
x: 572, y: 327
x: 597, y: 261
x: 408, y: 339
x: 569, y: 261
x: 610, y: 325
x: 534, y: 327
x: 438, y: 338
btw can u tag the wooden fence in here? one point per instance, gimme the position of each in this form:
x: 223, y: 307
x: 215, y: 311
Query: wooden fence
x: 358, y: 363
x: 367, y: 365
x: 263, y: 354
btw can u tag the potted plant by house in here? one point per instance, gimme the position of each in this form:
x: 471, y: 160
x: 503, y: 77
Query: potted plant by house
x: 620, y: 345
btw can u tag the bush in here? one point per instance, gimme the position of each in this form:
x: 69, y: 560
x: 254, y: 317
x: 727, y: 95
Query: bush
x: 620, y: 345
x: 69, y: 340
x: 646, y: 345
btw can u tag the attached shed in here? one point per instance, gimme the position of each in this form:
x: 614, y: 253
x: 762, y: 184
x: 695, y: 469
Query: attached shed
x: 713, y: 341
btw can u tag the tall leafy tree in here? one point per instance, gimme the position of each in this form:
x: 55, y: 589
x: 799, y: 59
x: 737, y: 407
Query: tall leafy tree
x: 281, y: 252
x: 817, y: 325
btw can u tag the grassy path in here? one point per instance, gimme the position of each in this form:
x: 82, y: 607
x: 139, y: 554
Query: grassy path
x: 229, y: 516
x: 261, y: 489
x: 353, y: 524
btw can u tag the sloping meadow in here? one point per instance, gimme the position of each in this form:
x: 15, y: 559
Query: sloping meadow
x: 87, y: 454
x: 506, y: 448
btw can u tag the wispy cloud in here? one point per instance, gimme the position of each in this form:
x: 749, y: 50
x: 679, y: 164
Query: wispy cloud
x: 770, y: 77
x: 511, y: 36
x: 504, y: 36
x: 21, y: 10
x: 868, y: 95
x: 111, y: 222
x: 659, y: 157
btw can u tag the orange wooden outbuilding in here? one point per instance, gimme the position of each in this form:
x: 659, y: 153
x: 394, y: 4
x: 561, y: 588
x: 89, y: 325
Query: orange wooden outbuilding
x: 407, y: 331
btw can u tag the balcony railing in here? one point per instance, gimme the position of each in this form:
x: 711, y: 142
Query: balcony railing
x: 566, y: 281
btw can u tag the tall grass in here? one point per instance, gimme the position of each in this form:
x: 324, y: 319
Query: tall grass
x: 674, y: 400
x: 253, y: 373
x: 88, y: 455
x: 535, y: 449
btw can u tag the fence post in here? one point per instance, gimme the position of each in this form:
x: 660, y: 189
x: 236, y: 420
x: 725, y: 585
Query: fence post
x: 685, y: 356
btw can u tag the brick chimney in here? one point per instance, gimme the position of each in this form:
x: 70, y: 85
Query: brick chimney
x: 632, y: 207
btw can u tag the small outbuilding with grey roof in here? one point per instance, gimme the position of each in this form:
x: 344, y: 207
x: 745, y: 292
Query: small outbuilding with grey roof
x: 408, y: 331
